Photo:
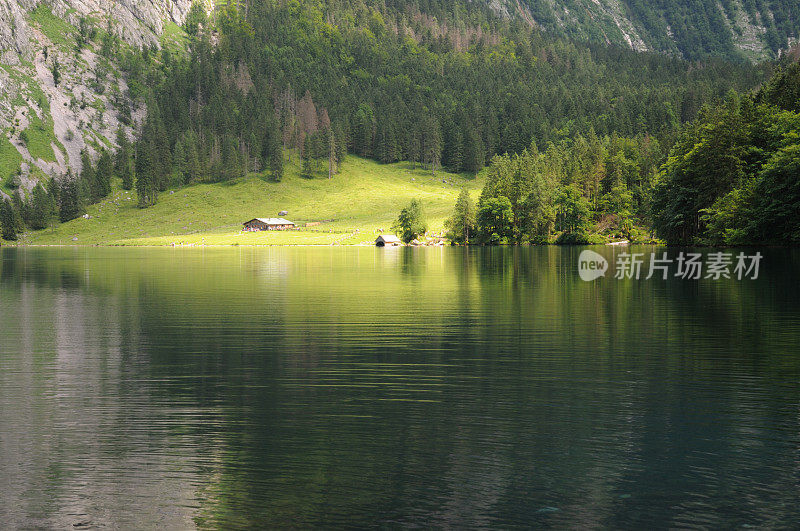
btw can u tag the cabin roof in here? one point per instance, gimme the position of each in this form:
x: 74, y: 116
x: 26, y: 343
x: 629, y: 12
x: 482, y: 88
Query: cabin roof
x: 271, y: 221
x: 389, y: 238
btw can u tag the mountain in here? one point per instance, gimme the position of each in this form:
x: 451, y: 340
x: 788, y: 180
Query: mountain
x: 75, y: 72
x: 61, y: 88
x: 692, y: 29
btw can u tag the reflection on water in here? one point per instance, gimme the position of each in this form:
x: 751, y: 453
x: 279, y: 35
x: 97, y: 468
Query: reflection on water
x: 428, y: 387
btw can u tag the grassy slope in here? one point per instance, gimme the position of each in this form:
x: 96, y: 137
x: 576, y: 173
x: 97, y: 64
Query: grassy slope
x: 10, y: 160
x: 363, y: 197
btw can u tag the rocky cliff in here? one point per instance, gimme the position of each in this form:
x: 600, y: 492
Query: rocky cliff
x: 692, y: 29
x: 44, y: 124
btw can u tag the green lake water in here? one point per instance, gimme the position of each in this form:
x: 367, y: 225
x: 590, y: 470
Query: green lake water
x: 354, y: 387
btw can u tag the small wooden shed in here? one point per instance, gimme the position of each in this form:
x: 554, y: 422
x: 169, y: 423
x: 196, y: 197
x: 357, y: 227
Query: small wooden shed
x: 258, y: 224
x: 387, y: 239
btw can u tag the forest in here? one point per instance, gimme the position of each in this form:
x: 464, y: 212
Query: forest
x: 579, y: 138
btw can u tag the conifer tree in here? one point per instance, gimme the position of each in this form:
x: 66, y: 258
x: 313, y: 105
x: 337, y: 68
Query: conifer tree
x: 70, y: 204
x: 474, y: 152
x: 455, y: 155
x: 9, y: 226
x: 331, y: 140
x: 102, y: 175
x: 179, y: 165
x: 42, y: 208
x: 86, y: 184
x: 340, y: 148
x: 146, y: 185
x: 275, y: 152
x: 193, y: 168
x: 123, y: 163
x: 462, y: 222
x: 431, y: 143
x: 307, y: 170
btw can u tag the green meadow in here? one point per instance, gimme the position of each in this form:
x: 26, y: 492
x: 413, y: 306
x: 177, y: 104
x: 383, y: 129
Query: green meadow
x: 346, y: 210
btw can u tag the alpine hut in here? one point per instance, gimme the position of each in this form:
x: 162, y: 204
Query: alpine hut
x: 259, y: 224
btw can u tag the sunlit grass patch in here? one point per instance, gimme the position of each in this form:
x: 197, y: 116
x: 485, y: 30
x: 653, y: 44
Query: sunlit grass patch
x: 346, y: 210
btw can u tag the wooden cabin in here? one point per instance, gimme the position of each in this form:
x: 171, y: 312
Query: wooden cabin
x: 258, y: 224
x: 387, y: 240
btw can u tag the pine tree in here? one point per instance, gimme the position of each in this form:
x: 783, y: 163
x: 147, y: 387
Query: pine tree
x: 146, y: 185
x: 42, y: 208
x: 70, y: 205
x: 86, y: 183
x: 275, y: 153
x: 331, y: 139
x: 123, y: 165
x: 179, y: 165
x: 7, y: 221
x: 431, y: 143
x: 340, y: 138
x: 462, y: 223
x: 474, y: 152
x: 253, y: 156
x: 414, y: 148
x: 102, y: 175
x: 193, y: 168
x: 307, y: 171
x: 455, y: 154
x: 363, y: 130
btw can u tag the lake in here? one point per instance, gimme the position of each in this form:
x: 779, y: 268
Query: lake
x: 446, y: 387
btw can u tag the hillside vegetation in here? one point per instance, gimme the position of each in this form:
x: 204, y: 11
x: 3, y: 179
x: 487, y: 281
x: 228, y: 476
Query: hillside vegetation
x: 574, y: 134
x: 364, y: 197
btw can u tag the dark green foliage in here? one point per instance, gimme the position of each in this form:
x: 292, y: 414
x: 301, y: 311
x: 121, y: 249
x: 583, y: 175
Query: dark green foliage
x: 316, y: 150
x: 41, y: 208
x: 452, y: 101
x: 783, y: 89
x: 775, y: 211
x: 102, y: 176
x: 147, y: 168
x: 410, y: 223
x: 537, y: 213
x: 573, y: 187
x: 731, y: 178
x: 86, y: 182
x: 495, y: 220
x: 195, y: 18
x: 462, y: 223
x: 388, y: 149
x: 474, y: 152
x: 431, y: 143
x: 275, y: 154
x: 363, y: 130
x: 8, y: 221
x: 123, y: 160
x: 70, y: 204
x: 572, y: 215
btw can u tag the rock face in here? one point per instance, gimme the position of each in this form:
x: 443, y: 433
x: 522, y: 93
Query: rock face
x: 137, y: 21
x: 49, y: 123
x: 691, y: 28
